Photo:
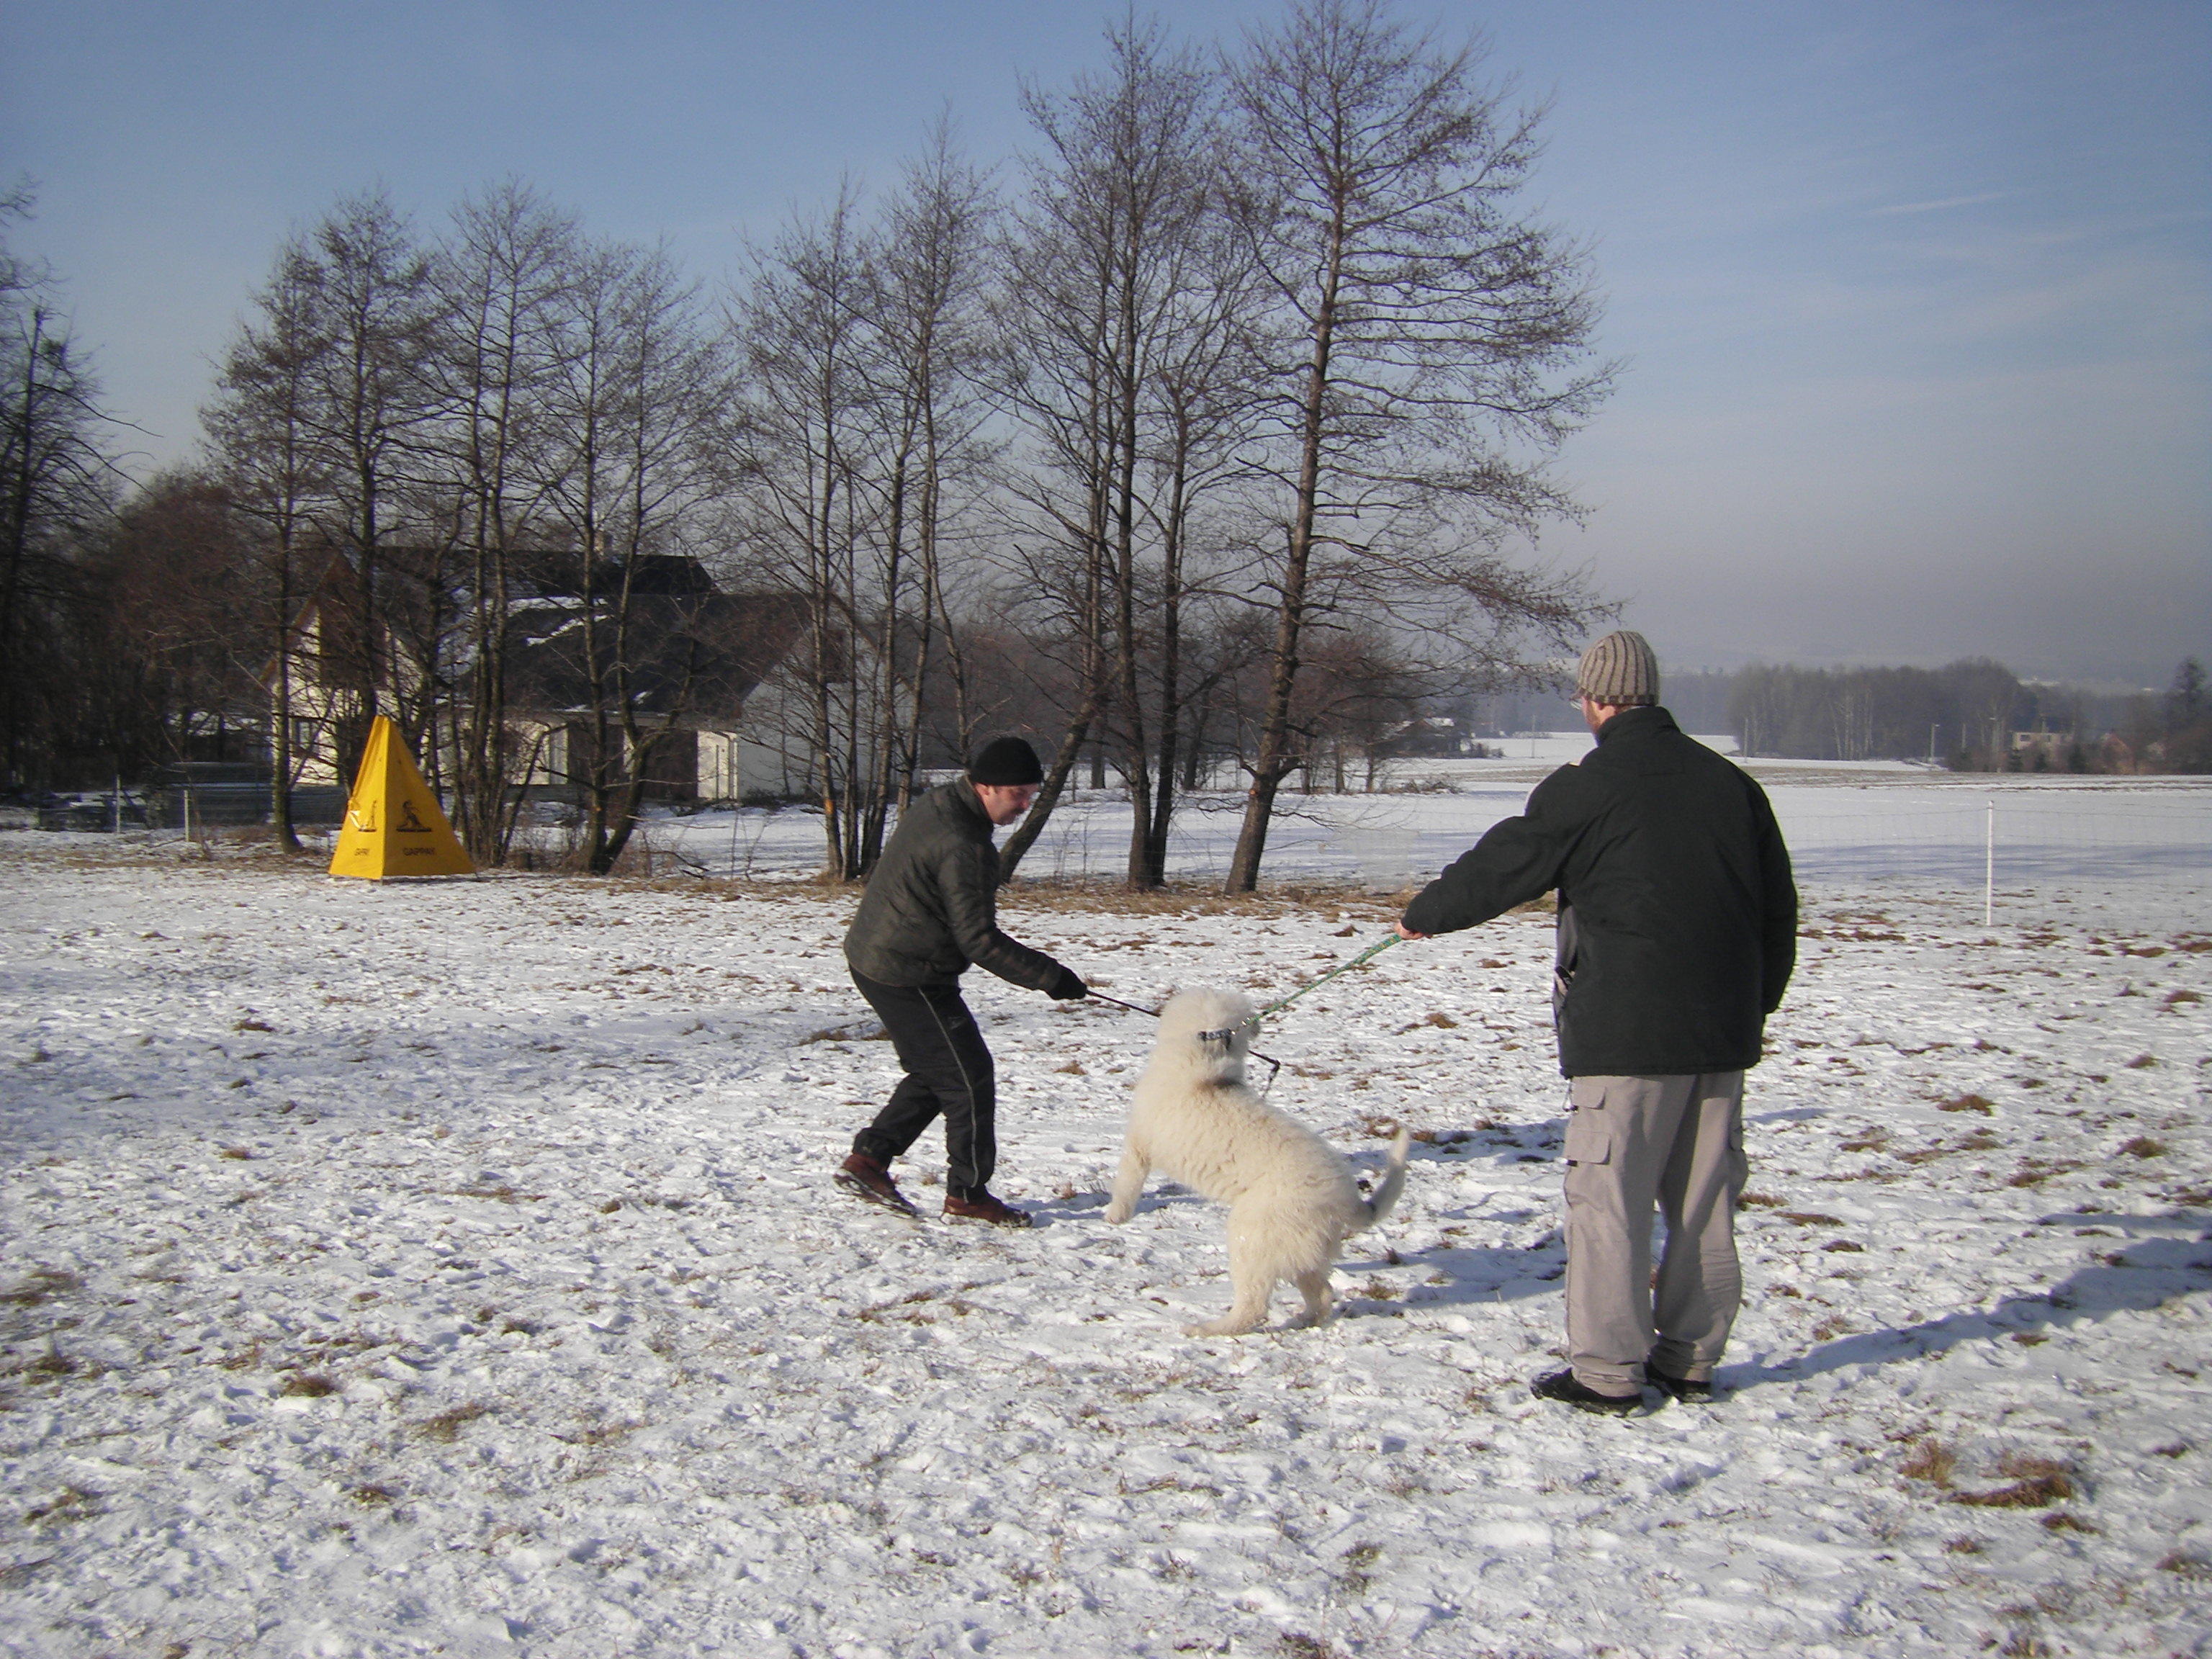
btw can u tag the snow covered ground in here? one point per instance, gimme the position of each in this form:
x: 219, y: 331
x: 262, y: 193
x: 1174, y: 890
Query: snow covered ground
x: 1876, y: 825
x: 453, y: 1268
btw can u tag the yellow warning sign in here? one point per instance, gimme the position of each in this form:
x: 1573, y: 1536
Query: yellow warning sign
x: 393, y: 824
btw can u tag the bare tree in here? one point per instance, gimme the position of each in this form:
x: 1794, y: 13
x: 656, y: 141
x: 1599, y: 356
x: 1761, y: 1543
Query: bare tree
x: 505, y: 278
x: 366, y: 409
x: 810, y: 416
x: 1118, y: 307
x: 174, y: 615
x: 57, y: 483
x: 639, y: 409
x: 926, y: 291
x: 260, y: 435
x: 1426, y: 340
x: 1202, y: 395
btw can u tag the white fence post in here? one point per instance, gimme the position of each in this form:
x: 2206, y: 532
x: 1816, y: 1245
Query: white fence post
x: 1990, y: 865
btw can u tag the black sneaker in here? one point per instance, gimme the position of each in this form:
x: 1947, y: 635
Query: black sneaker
x: 1690, y: 1391
x: 870, y: 1181
x: 1562, y: 1387
x: 984, y: 1208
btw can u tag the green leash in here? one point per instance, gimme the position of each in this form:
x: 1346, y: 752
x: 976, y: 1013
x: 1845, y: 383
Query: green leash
x: 1368, y: 955
x: 1372, y: 952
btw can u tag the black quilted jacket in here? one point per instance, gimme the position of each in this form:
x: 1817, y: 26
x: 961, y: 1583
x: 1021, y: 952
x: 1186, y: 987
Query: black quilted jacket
x: 932, y: 905
x: 1677, y: 917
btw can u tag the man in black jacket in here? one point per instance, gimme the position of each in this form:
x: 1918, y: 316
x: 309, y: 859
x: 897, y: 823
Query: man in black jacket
x: 931, y: 910
x: 1677, y: 933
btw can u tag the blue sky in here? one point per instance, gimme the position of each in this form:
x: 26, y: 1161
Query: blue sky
x: 1914, y: 297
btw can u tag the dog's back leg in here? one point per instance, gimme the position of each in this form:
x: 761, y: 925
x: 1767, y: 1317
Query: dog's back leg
x: 1313, y: 1286
x: 1252, y: 1273
x: 1128, y: 1182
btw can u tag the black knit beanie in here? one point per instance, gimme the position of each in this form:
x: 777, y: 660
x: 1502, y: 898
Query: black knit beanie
x: 1005, y: 761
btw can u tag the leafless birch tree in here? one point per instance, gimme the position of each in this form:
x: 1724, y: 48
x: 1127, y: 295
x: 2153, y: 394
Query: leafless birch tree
x: 810, y: 413
x: 260, y: 435
x: 1429, y: 344
x: 57, y: 481
x: 924, y: 345
x: 505, y: 278
x: 1120, y: 317
x: 367, y: 279
x: 637, y: 412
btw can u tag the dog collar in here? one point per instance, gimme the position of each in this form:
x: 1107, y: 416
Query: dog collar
x: 1219, y: 1036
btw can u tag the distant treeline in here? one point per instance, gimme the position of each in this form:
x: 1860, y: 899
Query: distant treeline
x: 1970, y: 716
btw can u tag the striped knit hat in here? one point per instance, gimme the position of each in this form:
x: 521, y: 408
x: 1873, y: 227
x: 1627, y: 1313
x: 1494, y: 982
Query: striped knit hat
x: 1620, y: 670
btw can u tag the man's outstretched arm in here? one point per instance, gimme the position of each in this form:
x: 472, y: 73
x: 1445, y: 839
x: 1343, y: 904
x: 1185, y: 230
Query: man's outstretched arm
x: 1516, y: 859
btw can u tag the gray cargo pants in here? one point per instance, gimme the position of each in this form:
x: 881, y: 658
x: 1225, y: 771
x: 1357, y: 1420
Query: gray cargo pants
x: 1633, y: 1142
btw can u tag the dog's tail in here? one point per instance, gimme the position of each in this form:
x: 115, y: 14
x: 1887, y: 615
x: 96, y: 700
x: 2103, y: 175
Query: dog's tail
x: 1385, y: 1196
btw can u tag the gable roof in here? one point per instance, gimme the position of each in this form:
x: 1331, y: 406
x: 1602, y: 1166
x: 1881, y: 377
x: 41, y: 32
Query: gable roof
x: 696, y: 658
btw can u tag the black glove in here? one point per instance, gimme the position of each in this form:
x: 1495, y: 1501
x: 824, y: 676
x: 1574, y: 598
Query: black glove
x: 1068, y: 986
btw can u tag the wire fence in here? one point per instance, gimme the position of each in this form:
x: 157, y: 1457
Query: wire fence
x: 2022, y: 852
x: 2027, y: 839
x: 2026, y: 852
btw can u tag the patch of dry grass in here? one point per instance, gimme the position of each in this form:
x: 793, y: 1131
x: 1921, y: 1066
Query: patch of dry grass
x: 73, y: 1503
x: 44, y: 1285
x: 1968, y: 1103
x: 2067, y: 1520
x: 599, y: 1434
x: 446, y: 1424
x: 2037, y: 1483
x: 1932, y: 1461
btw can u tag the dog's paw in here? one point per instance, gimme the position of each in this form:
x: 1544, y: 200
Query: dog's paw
x: 1118, y: 1213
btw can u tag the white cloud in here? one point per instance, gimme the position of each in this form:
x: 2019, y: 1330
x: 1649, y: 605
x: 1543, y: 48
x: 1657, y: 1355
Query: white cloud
x: 1948, y: 202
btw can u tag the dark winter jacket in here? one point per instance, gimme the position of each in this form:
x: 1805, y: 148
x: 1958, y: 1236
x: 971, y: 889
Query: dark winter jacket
x: 932, y: 905
x: 1678, y: 918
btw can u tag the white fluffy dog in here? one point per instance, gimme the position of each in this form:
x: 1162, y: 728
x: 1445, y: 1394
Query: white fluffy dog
x: 1293, y: 1201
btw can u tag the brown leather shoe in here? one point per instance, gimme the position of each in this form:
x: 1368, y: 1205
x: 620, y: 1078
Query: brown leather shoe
x: 984, y: 1208
x: 869, y: 1181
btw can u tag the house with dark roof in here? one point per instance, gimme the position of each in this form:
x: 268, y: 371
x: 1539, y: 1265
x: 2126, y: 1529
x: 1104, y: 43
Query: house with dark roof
x: 687, y: 658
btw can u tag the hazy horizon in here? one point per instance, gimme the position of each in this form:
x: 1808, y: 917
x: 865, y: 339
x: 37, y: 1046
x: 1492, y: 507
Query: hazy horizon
x: 1913, y: 304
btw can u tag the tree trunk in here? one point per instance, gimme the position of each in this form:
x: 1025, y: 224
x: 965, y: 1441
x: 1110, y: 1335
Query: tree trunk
x: 1275, y: 760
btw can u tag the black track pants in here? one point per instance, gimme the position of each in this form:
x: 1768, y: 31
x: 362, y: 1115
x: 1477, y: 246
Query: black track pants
x: 948, y: 1070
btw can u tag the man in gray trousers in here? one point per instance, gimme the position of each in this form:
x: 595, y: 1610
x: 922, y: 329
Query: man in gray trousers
x: 1677, y: 933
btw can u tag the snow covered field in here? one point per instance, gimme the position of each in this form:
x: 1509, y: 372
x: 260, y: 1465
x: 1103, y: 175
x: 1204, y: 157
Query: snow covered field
x: 1874, y: 825
x: 453, y: 1268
